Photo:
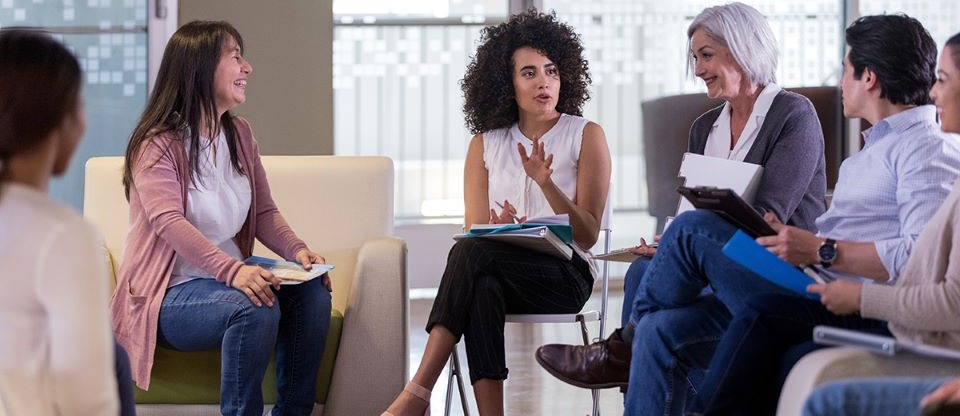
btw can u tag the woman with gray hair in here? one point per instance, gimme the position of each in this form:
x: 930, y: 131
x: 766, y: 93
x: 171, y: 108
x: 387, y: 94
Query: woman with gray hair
x: 676, y: 318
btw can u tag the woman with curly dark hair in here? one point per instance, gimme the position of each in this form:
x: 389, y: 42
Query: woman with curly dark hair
x: 536, y: 156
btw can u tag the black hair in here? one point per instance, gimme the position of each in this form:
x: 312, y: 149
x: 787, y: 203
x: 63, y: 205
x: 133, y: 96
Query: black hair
x: 489, y: 97
x: 40, y: 83
x: 954, y: 44
x: 900, y: 51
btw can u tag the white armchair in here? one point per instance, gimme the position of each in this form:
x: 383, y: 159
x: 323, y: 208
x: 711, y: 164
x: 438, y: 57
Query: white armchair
x: 343, y: 208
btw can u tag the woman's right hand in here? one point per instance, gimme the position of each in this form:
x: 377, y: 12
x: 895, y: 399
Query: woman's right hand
x: 507, y: 216
x: 643, y: 249
x: 255, y: 282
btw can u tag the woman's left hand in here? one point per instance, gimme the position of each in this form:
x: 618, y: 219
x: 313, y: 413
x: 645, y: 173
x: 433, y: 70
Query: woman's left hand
x: 307, y: 259
x: 537, y: 164
x: 841, y: 297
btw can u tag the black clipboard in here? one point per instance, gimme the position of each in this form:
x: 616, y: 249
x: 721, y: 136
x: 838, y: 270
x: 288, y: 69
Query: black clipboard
x: 727, y: 204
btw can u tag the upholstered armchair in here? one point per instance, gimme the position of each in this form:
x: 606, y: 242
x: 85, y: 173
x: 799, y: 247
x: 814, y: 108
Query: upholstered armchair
x: 343, y: 208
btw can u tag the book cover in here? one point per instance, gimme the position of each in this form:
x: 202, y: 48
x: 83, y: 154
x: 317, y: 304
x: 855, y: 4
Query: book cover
x: 699, y: 170
x: 558, y: 224
x: 539, y: 238
x: 746, y: 252
x: 288, y: 272
x: 621, y: 255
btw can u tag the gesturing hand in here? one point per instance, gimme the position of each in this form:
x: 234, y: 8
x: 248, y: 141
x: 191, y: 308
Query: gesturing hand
x: 255, y: 283
x: 537, y: 164
x: 307, y: 259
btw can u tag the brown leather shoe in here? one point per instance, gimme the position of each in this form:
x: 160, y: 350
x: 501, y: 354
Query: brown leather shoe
x: 601, y: 365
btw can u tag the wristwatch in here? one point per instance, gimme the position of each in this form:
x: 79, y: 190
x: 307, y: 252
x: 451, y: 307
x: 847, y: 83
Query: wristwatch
x: 827, y: 252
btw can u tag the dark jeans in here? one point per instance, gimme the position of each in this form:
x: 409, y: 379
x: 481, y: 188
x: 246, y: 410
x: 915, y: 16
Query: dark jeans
x: 124, y: 381
x: 763, y: 341
x: 204, y: 314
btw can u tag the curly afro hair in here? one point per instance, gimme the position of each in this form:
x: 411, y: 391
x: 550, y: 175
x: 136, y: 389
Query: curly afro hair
x: 488, y: 83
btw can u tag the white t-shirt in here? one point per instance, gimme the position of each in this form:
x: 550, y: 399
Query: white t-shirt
x: 217, y: 205
x: 56, y: 344
x: 718, y: 142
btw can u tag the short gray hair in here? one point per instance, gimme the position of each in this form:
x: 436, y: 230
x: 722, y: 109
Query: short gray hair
x: 744, y: 31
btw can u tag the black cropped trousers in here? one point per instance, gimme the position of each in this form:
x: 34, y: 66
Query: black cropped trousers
x: 486, y: 280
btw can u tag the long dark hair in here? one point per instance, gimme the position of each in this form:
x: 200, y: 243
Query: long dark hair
x: 39, y: 86
x: 183, y: 98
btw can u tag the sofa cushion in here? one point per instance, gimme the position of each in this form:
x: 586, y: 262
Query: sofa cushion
x: 194, y: 377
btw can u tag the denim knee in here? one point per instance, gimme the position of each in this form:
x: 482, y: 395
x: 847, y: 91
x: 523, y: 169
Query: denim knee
x: 631, y: 283
x: 266, y: 319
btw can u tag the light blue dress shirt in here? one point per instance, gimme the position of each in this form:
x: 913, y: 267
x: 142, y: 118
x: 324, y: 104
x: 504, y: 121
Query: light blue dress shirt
x: 888, y: 191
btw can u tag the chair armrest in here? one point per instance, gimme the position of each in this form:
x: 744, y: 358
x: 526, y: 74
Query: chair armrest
x: 372, y: 360
x: 826, y: 365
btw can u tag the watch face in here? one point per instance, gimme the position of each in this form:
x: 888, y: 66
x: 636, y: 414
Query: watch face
x: 828, y: 252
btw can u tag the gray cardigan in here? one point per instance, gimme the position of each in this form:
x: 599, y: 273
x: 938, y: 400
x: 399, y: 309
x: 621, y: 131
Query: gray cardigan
x: 789, y: 146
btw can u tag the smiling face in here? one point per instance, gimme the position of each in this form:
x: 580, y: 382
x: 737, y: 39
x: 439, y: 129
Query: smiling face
x: 714, y: 64
x: 230, y: 78
x: 536, y: 82
x: 946, y: 92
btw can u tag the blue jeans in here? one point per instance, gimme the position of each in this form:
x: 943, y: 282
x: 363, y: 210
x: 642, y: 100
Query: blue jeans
x: 871, y: 397
x: 124, y: 380
x: 681, y: 308
x: 760, y: 346
x: 631, y: 282
x: 204, y: 314
x: 668, y: 345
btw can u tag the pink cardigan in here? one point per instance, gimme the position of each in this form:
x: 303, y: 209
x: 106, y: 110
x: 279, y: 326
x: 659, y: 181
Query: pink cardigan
x: 159, y: 231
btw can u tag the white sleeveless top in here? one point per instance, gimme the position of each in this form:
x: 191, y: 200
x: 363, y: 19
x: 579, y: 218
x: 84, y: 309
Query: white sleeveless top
x: 507, y: 180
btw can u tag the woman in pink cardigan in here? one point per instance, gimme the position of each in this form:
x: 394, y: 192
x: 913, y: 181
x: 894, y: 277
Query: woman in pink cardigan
x: 198, y: 199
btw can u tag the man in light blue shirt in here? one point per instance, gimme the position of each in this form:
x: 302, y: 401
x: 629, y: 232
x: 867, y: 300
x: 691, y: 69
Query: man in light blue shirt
x: 691, y: 295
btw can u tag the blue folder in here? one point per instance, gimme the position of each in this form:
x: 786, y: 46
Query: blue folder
x: 746, y: 252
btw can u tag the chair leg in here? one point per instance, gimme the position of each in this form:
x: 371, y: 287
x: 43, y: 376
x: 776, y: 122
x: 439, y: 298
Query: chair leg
x: 595, y: 394
x: 583, y: 330
x: 455, y: 372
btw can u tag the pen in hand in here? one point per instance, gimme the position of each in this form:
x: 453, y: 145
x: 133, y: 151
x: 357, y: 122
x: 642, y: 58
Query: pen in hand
x: 512, y: 215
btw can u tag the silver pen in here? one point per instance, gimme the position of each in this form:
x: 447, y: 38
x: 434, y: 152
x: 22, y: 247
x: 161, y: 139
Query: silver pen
x: 515, y: 218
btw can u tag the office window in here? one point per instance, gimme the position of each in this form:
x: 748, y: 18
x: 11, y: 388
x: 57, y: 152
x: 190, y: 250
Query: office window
x: 397, y: 92
x: 109, y: 38
x: 940, y: 17
x: 396, y: 73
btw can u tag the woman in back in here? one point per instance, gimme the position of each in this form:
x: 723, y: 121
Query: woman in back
x: 56, y: 348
